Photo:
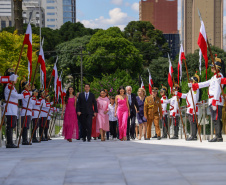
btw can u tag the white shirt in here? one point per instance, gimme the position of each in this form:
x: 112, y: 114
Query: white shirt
x: 111, y: 112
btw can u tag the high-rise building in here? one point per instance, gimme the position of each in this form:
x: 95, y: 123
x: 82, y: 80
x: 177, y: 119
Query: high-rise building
x: 161, y: 13
x: 212, y: 16
x: 5, y: 14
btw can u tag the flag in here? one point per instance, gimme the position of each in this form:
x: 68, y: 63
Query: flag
x: 170, y: 75
x: 41, y: 61
x: 200, y: 60
x: 63, y: 93
x: 142, y: 83
x: 202, y: 42
x: 28, y: 42
x: 150, y: 82
x: 55, y: 75
x: 59, y: 86
x: 179, y: 67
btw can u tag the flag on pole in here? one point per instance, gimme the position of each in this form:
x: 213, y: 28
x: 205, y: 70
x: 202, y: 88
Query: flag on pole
x: 170, y: 75
x: 179, y: 67
x: 28, y: 42
x: 55, y: 75
x: 150, y: 82
x: 64, y: 92
x: 142, y: 83
x: 41, y: 61
x: 59, y: 86
x: 200, y: 61
x: 202, y: 42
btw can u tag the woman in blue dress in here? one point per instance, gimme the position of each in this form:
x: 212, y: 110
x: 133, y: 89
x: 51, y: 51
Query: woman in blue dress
x: 140, y: 115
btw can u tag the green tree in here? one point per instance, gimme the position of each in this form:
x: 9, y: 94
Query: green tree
x: 112, y: 82
x: 69, y: 58
x: 148, y: 40
x: 110, y: 51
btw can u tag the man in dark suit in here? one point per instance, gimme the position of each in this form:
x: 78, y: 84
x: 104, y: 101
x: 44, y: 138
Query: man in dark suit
x: 132, y: 104
x: 86, y: 102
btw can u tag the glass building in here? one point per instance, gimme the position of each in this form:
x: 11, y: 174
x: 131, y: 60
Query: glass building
x: 69, y: 11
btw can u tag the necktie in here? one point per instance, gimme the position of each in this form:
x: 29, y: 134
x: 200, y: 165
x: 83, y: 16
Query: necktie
x: 154, y: 98
x: 86, y: 96
x: 130, y: 99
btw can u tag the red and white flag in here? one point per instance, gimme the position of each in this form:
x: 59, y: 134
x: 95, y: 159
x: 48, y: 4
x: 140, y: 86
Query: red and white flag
x: 170, y: 75
x: 142, y: 83
x: 150, y: 81
x: 55, y: 75
x: 64, y: 92
x: 179, y: 67
x: 41, y: 61
x: 202, y: 42
x: 59, y: 86
x: 28, y: 42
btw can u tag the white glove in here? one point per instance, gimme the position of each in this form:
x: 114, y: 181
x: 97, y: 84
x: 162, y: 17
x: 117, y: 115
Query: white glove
x: 214, y: 108
x: 218, y: 80
x: 190, y: 85
x: 175, y: 92
x: 13, y: 78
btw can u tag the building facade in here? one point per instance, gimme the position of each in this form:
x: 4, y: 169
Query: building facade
x: 5, y: 14
x: 173, y: 41
x: 161, y: 13
x: 212, y: 16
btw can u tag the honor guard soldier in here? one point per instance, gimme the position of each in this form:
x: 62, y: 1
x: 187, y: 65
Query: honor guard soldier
x: 190, y: 107
x: 7, y: 79
x: 215, y: 97
x: 44, y: 112
x: 153, y: 112
x: 35, y: 113
x: 49, y: 117
x: 164, y: 111
x: 25, y: 89
x: 11, y: 109
x: 174, y: 110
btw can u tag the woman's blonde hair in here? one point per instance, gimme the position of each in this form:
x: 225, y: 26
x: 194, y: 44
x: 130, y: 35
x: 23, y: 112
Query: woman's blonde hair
x: 141, y: 89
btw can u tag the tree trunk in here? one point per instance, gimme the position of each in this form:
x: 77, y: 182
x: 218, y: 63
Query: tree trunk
x: 18, y: 19
x: 74, y: 82
x: 77, y: 84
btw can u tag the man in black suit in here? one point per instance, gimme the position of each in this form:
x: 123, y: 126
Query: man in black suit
x: 132, y: 103
x: 86, y: 101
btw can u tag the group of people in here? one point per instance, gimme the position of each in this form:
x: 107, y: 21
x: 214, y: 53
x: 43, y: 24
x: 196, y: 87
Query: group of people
x: 85, y: 116
x: 36, y: 108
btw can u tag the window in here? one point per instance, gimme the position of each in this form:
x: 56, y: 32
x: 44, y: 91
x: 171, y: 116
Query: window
x: 66, y: 2
x: 51, y: 26
x: 50, y: 7
x: 67, y: 19
x: 10, y: 23
x: 51, y: 20
x: 3, y: 24
x: 67, y: 8
x: 50, y: 13
x: 50, y: 1
x: 67, y: 14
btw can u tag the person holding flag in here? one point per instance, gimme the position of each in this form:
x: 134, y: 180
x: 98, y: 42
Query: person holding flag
x: 190, y: 107
x: 215, y: 100
x: 163, y: 92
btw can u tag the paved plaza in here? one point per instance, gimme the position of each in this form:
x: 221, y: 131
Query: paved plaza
x: 163, y: 162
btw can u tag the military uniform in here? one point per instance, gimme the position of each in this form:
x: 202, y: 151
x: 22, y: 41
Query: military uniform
x: 164, y: 112
x: 215, y: 100
x: 35, y: 112
x: 153, y: 112
x: 190, y: 107
x: 7, y: 79
x: 11, y: 109
x: 25, y: 86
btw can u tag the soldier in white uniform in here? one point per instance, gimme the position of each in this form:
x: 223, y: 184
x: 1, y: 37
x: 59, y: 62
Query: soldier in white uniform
x: 35, y: 112
x: 11, y: 109
x: 49, y: 117
x: 190, y: 107
x: 214, y: 98
x: 174, y: 110
x: 25, y: 89
x: 44, y: 112
x: 164, y: 111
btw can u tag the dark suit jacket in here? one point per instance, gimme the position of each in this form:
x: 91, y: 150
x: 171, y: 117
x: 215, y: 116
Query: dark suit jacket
x: 86, y: 107
x: 133, y: 104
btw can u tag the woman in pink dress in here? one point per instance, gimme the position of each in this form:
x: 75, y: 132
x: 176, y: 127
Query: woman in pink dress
x: 102, y: 116
x: 122, y: 112
x: 70, y: 125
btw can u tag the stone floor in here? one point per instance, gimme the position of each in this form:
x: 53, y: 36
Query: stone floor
x: 153, y: 162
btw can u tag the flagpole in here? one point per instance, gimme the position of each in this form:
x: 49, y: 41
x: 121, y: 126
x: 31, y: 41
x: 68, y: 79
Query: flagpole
x: 40, y: 35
